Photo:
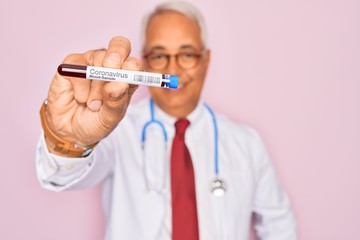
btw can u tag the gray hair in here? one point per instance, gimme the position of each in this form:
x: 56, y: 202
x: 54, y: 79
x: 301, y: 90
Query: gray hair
x: 182, y: 7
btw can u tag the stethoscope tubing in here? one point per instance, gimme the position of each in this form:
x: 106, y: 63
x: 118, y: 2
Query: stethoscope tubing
x: 153, y: 120
x: 216, y: 137
x: 217, y: 184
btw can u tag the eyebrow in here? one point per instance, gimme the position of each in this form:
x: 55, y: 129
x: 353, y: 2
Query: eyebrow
x: 187, y: 46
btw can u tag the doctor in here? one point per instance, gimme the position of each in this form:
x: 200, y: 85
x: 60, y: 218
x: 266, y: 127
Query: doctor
x: 92, y: 135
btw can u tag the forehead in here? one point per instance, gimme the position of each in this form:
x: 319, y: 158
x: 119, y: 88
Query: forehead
x: 171, y: 30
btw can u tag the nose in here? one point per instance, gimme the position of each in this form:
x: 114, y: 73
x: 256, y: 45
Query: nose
x: 173, y: 67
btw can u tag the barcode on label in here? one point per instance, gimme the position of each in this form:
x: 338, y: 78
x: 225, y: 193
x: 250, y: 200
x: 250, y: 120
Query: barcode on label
x: 147, y: 79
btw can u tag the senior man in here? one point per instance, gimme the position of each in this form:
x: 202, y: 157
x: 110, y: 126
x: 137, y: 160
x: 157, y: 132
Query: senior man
x: 205, y: 182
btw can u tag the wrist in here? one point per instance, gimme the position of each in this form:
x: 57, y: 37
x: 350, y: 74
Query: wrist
x: 59, y: 146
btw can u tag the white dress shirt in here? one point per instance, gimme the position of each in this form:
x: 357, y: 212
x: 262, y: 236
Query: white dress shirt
x: 128, y: 171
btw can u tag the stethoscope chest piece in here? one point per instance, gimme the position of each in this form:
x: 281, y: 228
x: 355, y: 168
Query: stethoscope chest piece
x: 218, y: 188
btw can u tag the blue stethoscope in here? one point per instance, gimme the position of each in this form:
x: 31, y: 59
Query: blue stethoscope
x: 217, y: 185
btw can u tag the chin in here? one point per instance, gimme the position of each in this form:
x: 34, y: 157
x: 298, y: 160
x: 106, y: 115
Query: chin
x: 171, y: 100
x: 175, y: 102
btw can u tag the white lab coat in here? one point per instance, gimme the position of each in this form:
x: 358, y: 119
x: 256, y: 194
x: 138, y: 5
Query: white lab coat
x: 133, y: 213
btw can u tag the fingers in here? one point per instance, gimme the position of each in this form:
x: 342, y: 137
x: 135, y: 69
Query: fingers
x: 80, y: 87
x: 91, y: 93
x: 133, y: 64
x: 118, y: 50
x: 62, y: 88
x: 91, y: 108
x: 94, y: 100
x: 85, y: 91
x: 116, y: 94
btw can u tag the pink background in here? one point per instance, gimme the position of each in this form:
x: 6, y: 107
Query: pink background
x: 291, y: 69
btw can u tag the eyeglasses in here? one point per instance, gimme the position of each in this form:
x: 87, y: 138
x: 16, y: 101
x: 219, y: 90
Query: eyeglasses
x: 160, y: 61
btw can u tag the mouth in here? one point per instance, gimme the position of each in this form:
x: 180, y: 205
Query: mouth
x: 181, y: 87
x: 184, y: 81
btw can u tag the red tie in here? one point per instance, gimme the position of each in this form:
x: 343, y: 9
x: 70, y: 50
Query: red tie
x: 184, y: 214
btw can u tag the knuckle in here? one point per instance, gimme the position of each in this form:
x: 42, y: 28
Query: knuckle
x: 133, y: 63
x: 97, y: 58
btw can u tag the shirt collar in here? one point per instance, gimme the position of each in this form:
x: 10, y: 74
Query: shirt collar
x: 193, y: 117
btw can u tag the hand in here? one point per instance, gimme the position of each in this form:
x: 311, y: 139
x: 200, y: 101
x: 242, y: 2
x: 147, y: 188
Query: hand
x: 84, y: 111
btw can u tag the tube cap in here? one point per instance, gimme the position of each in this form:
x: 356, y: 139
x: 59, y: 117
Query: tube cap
x: 174, y: 81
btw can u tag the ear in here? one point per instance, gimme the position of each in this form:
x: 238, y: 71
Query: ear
x: 207, y: 57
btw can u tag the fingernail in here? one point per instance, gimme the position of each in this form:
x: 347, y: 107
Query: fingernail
x: 113, y: 57
x: 95, y: 105
x: 117, y: 95
x: 132, y: 64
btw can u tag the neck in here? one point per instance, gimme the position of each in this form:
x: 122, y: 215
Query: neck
x: 177, y: 112
x: 180, y: 112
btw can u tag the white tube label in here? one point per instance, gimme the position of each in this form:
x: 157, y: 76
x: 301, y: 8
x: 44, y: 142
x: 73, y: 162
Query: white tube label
x: 127, y: 76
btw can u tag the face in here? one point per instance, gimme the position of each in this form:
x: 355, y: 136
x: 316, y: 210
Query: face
x: 169, y: 34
